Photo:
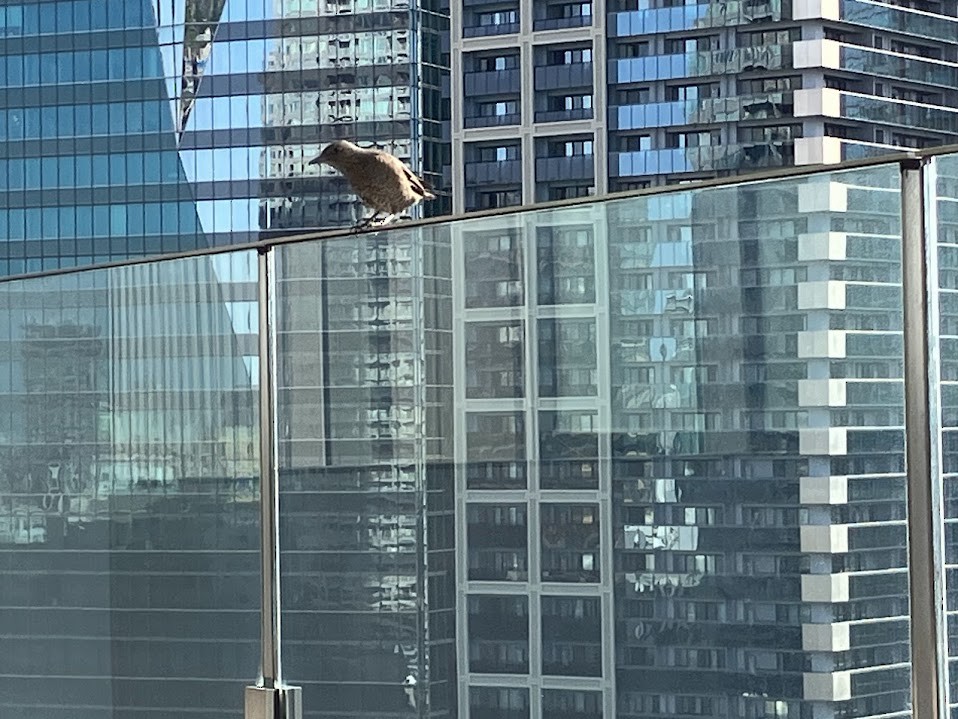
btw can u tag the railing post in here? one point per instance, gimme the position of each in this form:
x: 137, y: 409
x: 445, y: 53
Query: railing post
x: 269, y: 699
x: 925, y: 530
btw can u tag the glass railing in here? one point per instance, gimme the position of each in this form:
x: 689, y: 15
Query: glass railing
x: 662, y: 454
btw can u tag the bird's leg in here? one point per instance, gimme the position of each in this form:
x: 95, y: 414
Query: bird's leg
x: 366, y: 221
x: 386, y: 220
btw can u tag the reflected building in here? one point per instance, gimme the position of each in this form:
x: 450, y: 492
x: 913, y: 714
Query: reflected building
x: 129, y: 526
x: 681, y: 464
x: 366, y: 502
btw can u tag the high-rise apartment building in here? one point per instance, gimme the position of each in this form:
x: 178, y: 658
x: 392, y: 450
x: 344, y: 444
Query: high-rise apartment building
x: 565, y: 98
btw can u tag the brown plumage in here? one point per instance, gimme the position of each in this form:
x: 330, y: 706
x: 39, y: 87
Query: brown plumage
x: 382, y: 182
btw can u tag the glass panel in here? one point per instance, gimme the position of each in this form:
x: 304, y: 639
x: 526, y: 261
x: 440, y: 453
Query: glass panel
x: 129, y: 505
x: 757, y: 447
x: 943, y: 334
x: 366, y: 479
x: 683, y: 473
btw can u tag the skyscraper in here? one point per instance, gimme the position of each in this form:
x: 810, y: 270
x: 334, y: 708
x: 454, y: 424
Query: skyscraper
x: 142, y: 127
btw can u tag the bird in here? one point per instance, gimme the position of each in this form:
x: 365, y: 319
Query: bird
x: 382, y: 182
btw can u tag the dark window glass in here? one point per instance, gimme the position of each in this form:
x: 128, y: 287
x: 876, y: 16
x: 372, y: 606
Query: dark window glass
x: 497, y: 542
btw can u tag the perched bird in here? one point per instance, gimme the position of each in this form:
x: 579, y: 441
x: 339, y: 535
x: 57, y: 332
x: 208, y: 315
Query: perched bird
x: 382, y: 182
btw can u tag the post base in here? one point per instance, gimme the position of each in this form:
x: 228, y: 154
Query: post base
x: 276, y: 703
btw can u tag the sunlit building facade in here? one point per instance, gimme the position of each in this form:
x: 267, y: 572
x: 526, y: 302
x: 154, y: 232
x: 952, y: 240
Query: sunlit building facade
x: 568, y: 98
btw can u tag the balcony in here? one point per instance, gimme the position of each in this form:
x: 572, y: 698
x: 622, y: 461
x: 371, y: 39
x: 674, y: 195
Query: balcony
x: 701, y: 112
x: 713, y: 158
x: 581, y: 113
x: 888, y: 17
x: 493, y: 82
x: 492, y: 120
x: 499, y: 173
x: 878, y: 63
x: 693, y: 17
x: 828, y: 102
x: 563, y: 77
x: 561, y: 14
x: 723, y: 411
x: 487, y: 30
x: 700, y: 64
x: 550, y: 169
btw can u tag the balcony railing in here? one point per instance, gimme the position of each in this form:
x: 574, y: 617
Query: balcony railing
x: 562, y: 23
x: 732, y: 428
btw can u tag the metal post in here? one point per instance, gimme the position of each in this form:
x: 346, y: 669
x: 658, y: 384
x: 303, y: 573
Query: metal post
x: 925, y: 530
x: 269, y: 699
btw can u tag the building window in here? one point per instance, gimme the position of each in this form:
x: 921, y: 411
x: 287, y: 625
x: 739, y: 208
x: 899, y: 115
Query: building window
x: 760, y: 38
x: 700, y: 91
x: 634, y: 143
x: 499, y: 108
x: 497, y: 543
x: 494, y: 360
x: 498, y: 198
x: 570, y: 192
x: 758, y: 85
x: 499, y: 17
x: 626, y: 50
x: 570, y: 148
x: 495, y: 451
x: 769, y: 133
x: 571, y: 704
x: 497, y: 153
x: 570, y: 102
x: 681, y: 45
x: 498, y: 703
x: 570, y: 542
x: 569, y: 450
x: 567, y: 359
x: 633, y: 96
x: 498, y: 634
x: 571, y: 636
x: 570, y: 57
x: 497, y: 63
x: 569, y: 11
x: 701, y: 138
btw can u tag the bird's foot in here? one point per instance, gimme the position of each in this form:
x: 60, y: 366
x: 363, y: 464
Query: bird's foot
x: 364, y: 223
x: 384, y: 221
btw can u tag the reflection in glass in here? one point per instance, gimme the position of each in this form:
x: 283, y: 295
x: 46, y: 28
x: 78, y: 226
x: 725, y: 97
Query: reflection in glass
x: 571, y: 704
x: 130, y: 495
x: 571, y: 636
x: 943, y: 333
x: 570, y: 542
x: 495, y: 450
x: 568, y: 450
x: 498, y: 703
x: 494, y: 359
x: 366, y: 485
x: 498, y: 634
x: 498, y: 542
x: 757, y: 448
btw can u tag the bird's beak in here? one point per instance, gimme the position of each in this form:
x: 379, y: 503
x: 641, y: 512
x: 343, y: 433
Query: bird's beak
x: 316, y: 160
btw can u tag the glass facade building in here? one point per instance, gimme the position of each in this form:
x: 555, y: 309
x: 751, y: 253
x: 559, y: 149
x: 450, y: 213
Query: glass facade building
x: 142, y: 127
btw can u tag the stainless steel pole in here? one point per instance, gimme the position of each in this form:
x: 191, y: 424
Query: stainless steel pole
x: 269, y: 699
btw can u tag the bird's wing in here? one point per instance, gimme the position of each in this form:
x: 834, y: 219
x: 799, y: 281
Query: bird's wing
x: 419, y: 186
